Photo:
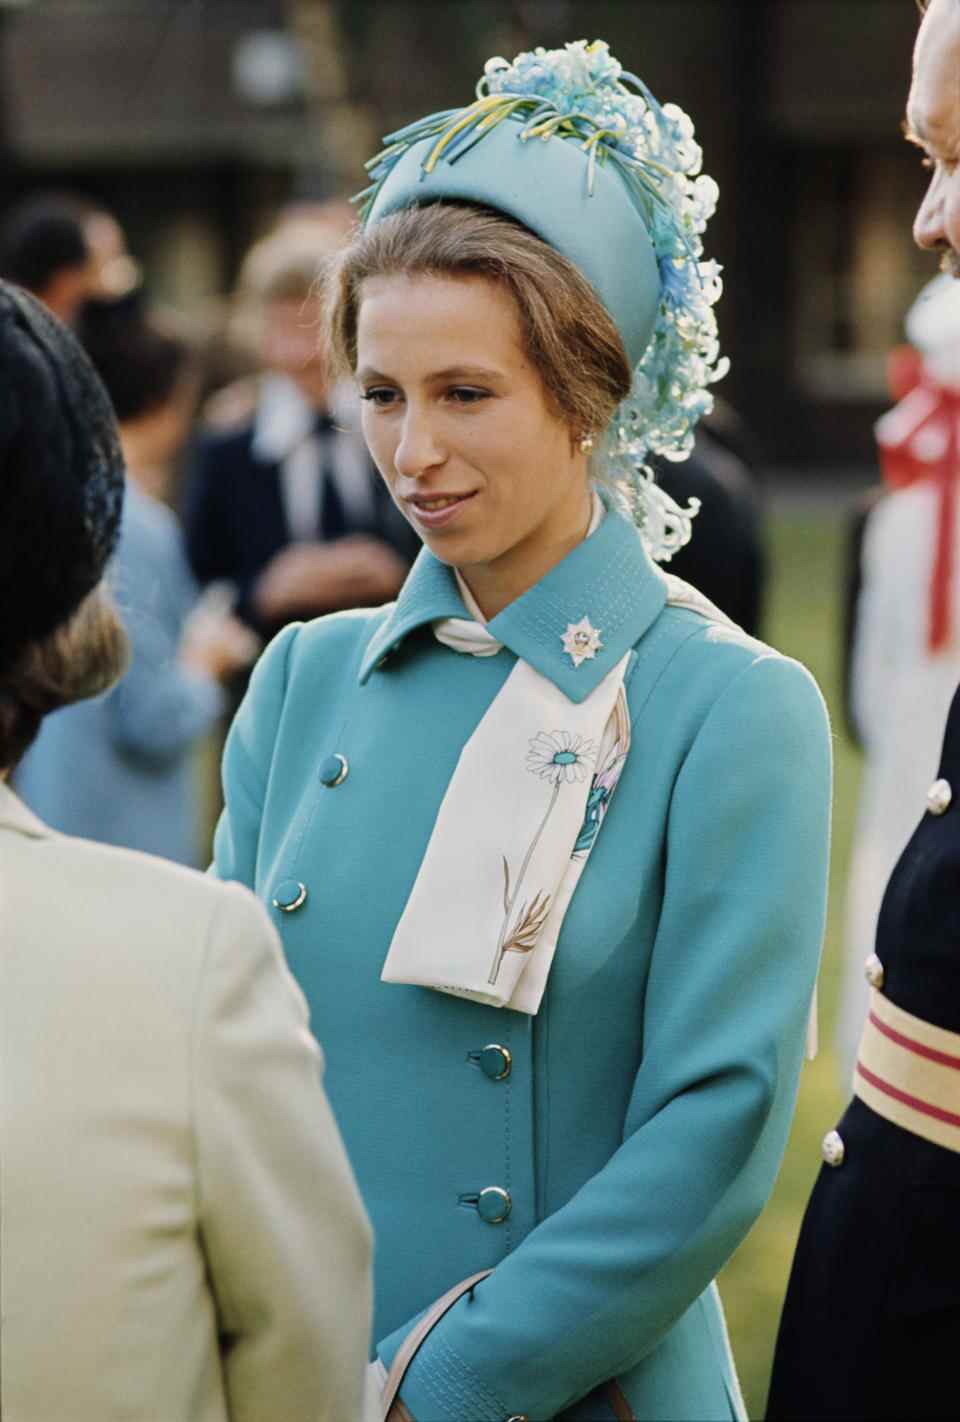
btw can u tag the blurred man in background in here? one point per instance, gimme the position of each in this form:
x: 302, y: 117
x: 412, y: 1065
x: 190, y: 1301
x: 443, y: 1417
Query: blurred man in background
x: 66, y: 251
x: 283, y: 500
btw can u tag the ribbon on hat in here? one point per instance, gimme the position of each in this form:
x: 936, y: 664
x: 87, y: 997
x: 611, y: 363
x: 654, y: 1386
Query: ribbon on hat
x: 919, y: 441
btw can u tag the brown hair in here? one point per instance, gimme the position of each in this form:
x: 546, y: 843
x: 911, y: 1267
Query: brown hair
x: 570, y: 336
x: 82, y: 657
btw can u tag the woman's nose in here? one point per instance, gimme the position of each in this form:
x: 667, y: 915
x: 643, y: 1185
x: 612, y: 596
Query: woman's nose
x: 418, y: 450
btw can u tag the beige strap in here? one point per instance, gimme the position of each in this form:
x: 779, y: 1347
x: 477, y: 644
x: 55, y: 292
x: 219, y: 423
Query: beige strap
x: 408, y: 1348
x: 410, y: 1345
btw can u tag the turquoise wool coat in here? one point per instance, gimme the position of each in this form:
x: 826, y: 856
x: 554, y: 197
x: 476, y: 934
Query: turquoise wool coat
x: 637, y: 1122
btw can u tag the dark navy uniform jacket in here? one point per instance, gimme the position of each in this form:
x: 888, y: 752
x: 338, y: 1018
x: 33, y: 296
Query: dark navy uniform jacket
x: 871, y: 1324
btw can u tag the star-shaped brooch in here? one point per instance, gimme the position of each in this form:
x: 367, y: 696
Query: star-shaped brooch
x: 581, y: 642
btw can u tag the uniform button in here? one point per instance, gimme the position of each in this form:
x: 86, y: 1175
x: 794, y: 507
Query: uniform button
x: 496, y: 1062
x: 939, y: 797
x: 289, y: 895
x: 494, y: 1204
x: 833, y: 1149
x: 873, y: 971
x: 334, y: 771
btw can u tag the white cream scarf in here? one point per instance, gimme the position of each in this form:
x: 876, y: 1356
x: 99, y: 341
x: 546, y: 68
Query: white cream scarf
x: 513, y: 833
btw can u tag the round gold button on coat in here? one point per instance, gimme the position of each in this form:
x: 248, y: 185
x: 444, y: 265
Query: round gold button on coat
x: 873, y: 971
x: 494, y: 1204
x: 334, y: 771
x: 289, y: 895
x: 939, y: 797
x: 833, y: 1149
x: 496, y: 1062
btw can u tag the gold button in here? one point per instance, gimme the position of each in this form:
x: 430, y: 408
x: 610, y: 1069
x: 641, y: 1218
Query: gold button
x: 334, y: 770
x: 496, y: 1062
x: 873, y: 971
x: 939, y: 797
x: 494, y: 1204
x: 832, y: 1149
x: 289, y: 895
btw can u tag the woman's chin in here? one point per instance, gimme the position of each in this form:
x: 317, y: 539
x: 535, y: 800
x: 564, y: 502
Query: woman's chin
x: 457, y: 550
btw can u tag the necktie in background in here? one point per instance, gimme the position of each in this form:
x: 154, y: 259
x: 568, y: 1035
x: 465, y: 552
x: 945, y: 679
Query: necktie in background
x: 332, y: 522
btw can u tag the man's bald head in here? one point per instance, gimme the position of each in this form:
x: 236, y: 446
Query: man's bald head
x: 933, y: 122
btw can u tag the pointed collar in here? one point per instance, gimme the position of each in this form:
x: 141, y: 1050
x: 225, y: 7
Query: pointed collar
x: 607, y: 579
x: 15, y: 815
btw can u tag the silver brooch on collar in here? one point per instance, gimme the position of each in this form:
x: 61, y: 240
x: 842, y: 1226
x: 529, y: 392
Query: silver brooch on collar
x: 581, y: 642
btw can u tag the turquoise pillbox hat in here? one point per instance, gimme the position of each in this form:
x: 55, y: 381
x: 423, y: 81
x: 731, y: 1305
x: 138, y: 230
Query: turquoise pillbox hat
x: 580, y: 152
x: 544, y: 182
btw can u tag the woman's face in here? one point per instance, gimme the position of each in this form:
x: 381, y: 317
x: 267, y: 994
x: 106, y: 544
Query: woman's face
x: 458, y: 422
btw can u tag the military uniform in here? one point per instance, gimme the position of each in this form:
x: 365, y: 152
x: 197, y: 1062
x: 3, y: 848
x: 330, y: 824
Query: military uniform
x: 872, y: 1315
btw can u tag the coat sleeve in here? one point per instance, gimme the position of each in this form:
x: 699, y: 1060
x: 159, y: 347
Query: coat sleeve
x: 285, y: 1237
x: 593, y: 1289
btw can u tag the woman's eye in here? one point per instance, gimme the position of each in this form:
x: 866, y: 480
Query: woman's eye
x: 380, y: 395
x: 467, y: 395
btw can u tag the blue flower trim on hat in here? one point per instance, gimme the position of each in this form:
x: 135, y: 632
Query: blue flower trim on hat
x: 582, y: 94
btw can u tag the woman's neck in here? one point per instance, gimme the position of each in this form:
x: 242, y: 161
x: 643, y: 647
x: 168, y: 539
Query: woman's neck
x: 493, y: 586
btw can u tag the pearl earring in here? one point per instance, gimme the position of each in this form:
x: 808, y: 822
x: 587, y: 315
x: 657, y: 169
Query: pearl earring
x: 586, y: 444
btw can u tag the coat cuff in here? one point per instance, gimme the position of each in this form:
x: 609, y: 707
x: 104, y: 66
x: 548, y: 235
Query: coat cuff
x: 441, y: 1386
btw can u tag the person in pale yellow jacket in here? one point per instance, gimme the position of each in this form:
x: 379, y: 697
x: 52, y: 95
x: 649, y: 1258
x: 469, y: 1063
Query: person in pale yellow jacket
x: 181, y: 1239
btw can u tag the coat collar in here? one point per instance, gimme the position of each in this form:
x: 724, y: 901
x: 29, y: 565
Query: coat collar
x: 15, y: 815
x: 608, y: 579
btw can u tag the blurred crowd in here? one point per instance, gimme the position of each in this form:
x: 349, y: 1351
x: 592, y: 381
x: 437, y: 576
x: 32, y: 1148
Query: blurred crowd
x: 251, y: 504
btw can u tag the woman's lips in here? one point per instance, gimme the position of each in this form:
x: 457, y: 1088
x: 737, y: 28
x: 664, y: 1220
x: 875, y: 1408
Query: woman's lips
x: 437, y: 510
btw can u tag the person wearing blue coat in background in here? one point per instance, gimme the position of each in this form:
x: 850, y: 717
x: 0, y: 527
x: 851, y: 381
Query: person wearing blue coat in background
x: 546, y: 839
x: 120, y: 768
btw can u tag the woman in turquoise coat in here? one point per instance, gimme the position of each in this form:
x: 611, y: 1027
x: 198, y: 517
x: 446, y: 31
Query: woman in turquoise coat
x: 546, y: 839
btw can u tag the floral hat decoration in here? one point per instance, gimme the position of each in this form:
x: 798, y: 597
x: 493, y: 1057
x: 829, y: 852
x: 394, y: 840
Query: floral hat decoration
x: 569, y: 144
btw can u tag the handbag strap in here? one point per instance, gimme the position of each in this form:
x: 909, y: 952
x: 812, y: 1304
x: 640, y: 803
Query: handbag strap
x: 410, y: 1345
x: 408, y: 1348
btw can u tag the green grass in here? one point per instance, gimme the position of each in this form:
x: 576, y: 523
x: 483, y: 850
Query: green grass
x: 803, y: 620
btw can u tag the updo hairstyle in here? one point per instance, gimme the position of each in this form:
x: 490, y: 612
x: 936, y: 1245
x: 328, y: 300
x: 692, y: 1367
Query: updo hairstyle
x: 569, y: 335
x: 82, y: 657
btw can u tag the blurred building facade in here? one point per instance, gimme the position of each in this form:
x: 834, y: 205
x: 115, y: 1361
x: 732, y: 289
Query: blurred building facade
x: 194, y: 120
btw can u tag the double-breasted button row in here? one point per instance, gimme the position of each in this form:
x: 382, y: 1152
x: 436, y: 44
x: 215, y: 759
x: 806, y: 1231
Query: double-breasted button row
x: 291, y: 894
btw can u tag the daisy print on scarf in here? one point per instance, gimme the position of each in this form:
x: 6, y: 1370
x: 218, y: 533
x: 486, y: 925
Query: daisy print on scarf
x: 563, y: 759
